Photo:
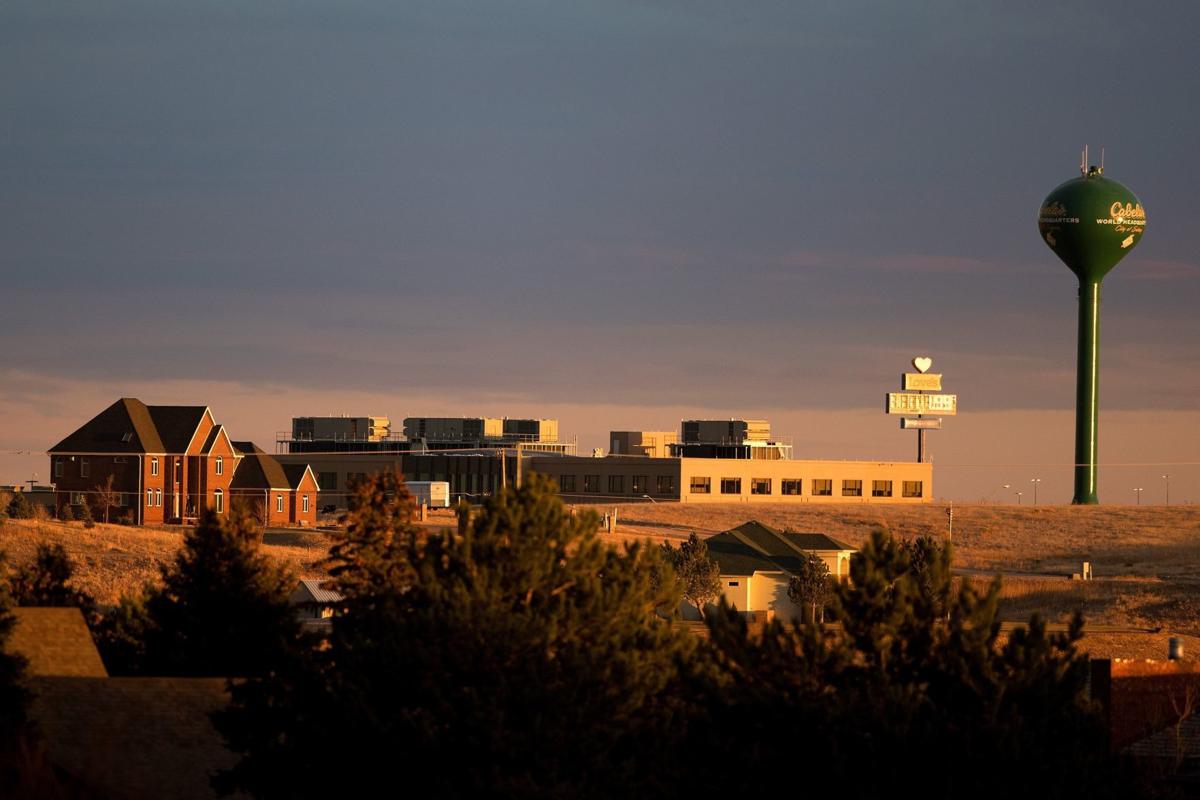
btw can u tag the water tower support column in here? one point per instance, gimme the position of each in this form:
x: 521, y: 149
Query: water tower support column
x: 1087, y: 394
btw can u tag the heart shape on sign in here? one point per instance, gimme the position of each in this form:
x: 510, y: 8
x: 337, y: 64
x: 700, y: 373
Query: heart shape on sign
x: 922, y: 363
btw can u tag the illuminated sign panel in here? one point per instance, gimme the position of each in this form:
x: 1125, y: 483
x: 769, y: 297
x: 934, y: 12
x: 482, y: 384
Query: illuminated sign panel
x: 912, y: 403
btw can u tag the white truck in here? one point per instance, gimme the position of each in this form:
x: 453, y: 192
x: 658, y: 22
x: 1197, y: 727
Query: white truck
x: 434, y: 494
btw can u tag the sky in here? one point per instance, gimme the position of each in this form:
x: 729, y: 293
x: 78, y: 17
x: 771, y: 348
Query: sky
x: 616, y: 213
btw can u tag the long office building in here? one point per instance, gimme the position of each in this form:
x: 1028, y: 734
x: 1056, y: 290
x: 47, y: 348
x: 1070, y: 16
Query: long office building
x: 737, y: 480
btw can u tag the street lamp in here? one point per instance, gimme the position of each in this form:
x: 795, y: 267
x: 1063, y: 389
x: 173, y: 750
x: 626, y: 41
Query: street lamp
x: 1139, y: 495
x: 651, y: 499
x: 1035, y: 482
x: 1167, y: 481
x: 1018, y: 498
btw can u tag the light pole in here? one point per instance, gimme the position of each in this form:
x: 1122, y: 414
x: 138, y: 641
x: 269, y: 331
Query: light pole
x: 1007, y: 486
x: 1018, y: 498
x: 1035, y: 482
x: 1167, y: 481
x: 1138, y: 491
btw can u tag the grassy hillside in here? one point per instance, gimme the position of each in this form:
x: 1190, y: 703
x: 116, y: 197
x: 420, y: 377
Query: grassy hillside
x: 1146, y: 559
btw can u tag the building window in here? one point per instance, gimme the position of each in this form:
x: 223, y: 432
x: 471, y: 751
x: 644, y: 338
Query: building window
x: 881, y: 488
x: 78, y: 499
x: 760, y: 486
x: 701, y: 485
x: 566, y: 483
x: 119, y: 459
x: 914, y: 488
x: 639, y: 484
x: 279, y: 503
x: 85, y: 469
x: 58, y: 469
x: 304, y: 503
x: 219, y: 501
x: 731, y: 485
x: 790, y: 486
x: 822, y: 487
x: 666, y: 484
x: 734, y: 583
x: 328, y: 481
x: 122, y: 499
x: 851, y: 488
x: 220, y: 466
x: 616, y: 484
x: 158, y: 497
x: 591, y: 483
x: 149, y: 498
x: 153, y: 466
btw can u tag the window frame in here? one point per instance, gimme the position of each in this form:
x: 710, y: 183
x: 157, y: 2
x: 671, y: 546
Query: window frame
x: 822, y: 487
x: 154, y: 466
x: 85, y: 468
x: 881, y: 488
x: 757, y: 483
x: 616, y: 484
x: 566, y: 484
x: 731, y: 486
x: 219, y: 465
x: 219, y: 501
x: 278, y: 504
x: 905, y: 491
x: 700, y: 484
x: 658, y: 484
x: 852, y: 487
x: 798, y: 486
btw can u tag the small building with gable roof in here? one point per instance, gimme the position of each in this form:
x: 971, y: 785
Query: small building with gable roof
x: 757, y: 562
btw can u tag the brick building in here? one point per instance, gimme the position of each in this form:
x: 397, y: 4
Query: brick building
x: 167, y: 464
x: 284, y: 494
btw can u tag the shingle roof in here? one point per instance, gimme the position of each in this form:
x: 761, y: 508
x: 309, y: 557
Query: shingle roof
x: 245, y: 448
x: 310, y: 591
x: 260, y: 471
x: 295, y: 474
x: 134, y: 737
x: 124, y: 427
x: 755, y: 547
x: 176, y: 425
x: 55, y: 641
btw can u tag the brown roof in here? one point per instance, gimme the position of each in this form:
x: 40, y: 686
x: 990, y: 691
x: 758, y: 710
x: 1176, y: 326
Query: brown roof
x: 55, y: 641
x: 177, y: 425
x: 260, y: 471
x: 295, y: 474
x: 124, y: 427
x: 134, y: 737
x: 245, y: 447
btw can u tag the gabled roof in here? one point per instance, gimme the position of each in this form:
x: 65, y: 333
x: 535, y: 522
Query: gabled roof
x: 310, y: 591
x: 755, y: 547
x: 55, y: 641
x: 124, y: 427
x: 245, y: 448
x: 295, y: 474
x: 177, y: 425
x: 260, y: 471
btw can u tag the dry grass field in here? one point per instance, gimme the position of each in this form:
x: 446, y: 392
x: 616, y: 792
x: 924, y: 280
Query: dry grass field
x: 112, y: 560
x: 1146, y: 559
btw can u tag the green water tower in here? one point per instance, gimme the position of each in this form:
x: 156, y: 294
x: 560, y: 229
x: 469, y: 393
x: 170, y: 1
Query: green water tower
x: 1090, y: 222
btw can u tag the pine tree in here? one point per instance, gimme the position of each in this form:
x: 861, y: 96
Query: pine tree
x: 45, y: 582
x: 19, y: 506
x: 699, y: 576
x: 914, y: 685
x: 222, y: 609
x: 520, y: 657
x: 811, y: 587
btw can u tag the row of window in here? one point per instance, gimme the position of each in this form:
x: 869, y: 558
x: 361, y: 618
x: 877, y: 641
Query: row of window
x: 638, y: 484
x: 85, y: 467
x: 821, y: 487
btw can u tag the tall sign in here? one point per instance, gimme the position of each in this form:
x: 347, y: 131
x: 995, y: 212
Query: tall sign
x: 921, y: 403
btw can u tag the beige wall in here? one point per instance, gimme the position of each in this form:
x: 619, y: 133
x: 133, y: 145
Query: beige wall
x: 682, y: 470
x: 776, y: 472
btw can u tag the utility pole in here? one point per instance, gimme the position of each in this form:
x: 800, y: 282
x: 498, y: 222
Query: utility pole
x: 950, y: 520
